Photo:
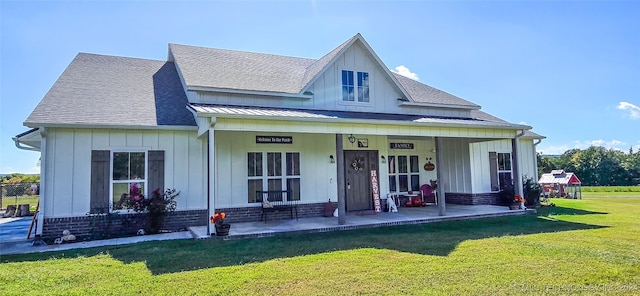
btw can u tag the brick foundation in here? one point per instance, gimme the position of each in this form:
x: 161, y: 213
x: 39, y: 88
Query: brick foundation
x: 118, y: 225
x: 115, y: 225
x: 472, y: 198
x: 252, y: 214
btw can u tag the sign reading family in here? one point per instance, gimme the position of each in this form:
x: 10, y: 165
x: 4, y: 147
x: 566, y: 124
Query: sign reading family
x: 401, y: 145
x: 274, y: 140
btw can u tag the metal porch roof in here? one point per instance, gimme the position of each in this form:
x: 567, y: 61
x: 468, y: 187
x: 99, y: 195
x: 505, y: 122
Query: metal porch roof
x: 283, y: 113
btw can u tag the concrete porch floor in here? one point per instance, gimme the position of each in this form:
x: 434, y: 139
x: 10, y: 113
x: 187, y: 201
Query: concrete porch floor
x: 13, y: 231
x: 404, y: 216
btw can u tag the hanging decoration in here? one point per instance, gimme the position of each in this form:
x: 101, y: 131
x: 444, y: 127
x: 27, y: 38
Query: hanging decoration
x: 429, y: 166
x: 357, y: 164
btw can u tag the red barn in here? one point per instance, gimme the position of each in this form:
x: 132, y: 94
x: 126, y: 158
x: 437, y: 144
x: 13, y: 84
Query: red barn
x: 559, y: 183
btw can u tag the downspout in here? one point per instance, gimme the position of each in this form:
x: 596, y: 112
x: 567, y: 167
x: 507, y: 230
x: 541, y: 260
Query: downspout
x: 535, y: 157
x: 43, y: 181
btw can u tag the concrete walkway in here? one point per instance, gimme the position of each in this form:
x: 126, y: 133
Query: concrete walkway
x: 13, y: 232
x: 404, y: 216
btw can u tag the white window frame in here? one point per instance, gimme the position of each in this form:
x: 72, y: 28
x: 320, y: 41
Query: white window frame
x: 501, y: 171
x: 393, y: 158
x: 112, y: 182
x: 356, y: 87
x: 283, y: 177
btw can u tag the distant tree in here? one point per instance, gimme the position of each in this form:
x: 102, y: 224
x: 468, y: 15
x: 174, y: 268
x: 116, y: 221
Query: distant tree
x: 597, y: 166
x: 631, y: 165
x: 566, y: 160
x: 20, y: 178
x: 545, y: 164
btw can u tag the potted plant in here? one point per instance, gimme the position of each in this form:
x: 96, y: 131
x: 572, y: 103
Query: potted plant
x: 222, y: 228
x: 518, y: 202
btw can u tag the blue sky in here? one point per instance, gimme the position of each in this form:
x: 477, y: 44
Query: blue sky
x: 570, y: 69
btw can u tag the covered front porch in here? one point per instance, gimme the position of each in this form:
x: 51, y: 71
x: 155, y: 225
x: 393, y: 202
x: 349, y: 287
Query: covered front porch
x: 404, y: 216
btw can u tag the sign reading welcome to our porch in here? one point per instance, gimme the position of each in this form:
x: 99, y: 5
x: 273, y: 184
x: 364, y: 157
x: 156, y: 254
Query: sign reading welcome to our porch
x: 274, y: 140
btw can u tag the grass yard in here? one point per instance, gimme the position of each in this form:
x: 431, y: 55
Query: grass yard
x: 587, y: 246
x: 31, y: 200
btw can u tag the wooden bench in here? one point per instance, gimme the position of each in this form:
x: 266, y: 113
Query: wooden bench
x: 277, y: 201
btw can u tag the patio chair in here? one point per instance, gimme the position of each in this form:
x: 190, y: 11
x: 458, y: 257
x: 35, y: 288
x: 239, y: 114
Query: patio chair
x: 427, y: 194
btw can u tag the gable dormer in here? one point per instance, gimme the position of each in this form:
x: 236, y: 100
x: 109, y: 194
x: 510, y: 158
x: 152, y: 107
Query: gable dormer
x: 349, y: 78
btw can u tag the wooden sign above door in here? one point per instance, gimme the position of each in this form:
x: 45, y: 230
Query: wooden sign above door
x: 401, y: 145
x: 274, y: 140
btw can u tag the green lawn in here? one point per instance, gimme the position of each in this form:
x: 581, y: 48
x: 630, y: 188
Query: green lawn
x: 587, y: 246
x: 610, y: 194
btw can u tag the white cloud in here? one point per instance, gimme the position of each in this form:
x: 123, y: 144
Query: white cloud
x: 553, y: 150
x: 404, y: 71
x: 634, y: 111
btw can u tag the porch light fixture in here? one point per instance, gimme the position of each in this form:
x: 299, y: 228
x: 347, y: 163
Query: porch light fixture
x: 352, y: 139
x: 331, y: 159
x: 382, y: 159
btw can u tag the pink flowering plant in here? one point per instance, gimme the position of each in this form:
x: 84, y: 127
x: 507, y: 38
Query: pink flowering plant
x: 136, y: 200
x: 156, y: 208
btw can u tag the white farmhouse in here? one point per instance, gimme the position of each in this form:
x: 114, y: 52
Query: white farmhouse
x: 220, y: 125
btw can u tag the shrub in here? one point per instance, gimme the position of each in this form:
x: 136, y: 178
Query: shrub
x: 532, y: 191
x: 506, y: 195
x: 157, y: 207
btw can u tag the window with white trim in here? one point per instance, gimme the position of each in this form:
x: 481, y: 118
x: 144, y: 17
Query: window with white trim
x: 128, y: 177
x: 281, y: 174
x: 404, y: 173
x: 355, y: 86
x: 504, y: 170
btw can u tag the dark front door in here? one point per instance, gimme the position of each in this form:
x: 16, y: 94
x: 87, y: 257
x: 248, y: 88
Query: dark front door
x: 358, y: 167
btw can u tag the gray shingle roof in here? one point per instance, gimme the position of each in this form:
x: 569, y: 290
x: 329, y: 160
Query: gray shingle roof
x: 114, y: 91
x: 314, y: 69
x: 239, y: 70
x: 422, y: 93
x: 477, y: 114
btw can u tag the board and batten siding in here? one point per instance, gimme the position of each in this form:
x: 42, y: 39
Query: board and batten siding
x: 455, y: 168
x: 327, y: 91
x: 317, y: 173
x: 479, y: 153
x: 68, y: 184
x: 528, y: 159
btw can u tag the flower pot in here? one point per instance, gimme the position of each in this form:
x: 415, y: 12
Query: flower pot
x: 222, y: 229
x: 514, y: 206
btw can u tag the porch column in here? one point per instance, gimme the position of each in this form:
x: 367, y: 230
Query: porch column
x: 211, y: 174
x: 342, y: 209
x: 442, y: 210
x: 515, y: 163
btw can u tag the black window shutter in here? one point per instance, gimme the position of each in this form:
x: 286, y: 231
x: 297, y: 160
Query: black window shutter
x: 99, y: 181
x: 493, y: 171
x: 156, y: 171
